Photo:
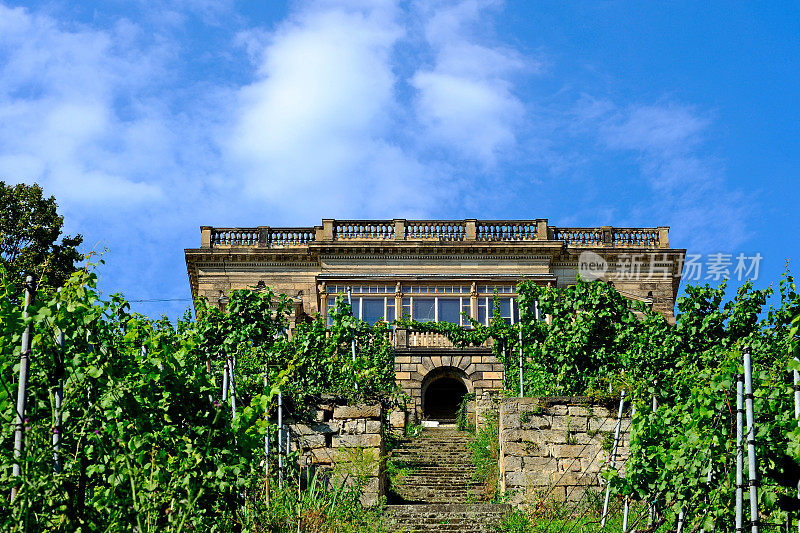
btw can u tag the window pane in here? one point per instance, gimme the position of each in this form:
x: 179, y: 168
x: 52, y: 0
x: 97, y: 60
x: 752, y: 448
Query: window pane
x: 465, y: 309
x: 424, y: 309
x: 482, y: 311
x: 505, y: 309
x: 331, y: 300
x: 390, y: 309
x: 449, y: 309
x: 406, y: 308
x: 372, y: 310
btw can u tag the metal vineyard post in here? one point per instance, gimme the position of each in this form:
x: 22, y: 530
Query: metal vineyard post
x: 22, y: 390
x: 613, y: 461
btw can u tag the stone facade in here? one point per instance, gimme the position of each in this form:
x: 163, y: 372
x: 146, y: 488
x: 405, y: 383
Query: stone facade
x: 555, y: 448
x: 454, y: 266
x: 347, y: 443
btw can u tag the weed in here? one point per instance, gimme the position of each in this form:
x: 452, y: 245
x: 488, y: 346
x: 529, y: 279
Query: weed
x: 608, y: 441
x: 462, y: 417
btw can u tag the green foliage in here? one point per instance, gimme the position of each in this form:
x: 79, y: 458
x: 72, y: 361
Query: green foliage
x: 462, y: 415
x: 29, y: 230
x: 145, y: 443
x: 673, y: 449
x: 323, y: 360
x: 485, y: 448
x: 597, y: 342
x: 317, y: 508
x: 142, y: 442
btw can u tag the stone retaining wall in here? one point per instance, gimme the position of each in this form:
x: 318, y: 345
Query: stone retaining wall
x: 488, y: 402
x: 555, y: 448
x: 346, y: 442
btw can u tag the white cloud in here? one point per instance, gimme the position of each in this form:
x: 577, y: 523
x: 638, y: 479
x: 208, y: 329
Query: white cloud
x: 319, y: 124
x: 58, y: 120
x: 687, y: 185
x: 662, y: 129
x: 465, y: 99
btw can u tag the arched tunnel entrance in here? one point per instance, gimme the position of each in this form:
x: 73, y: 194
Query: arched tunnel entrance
x: 442, y: 392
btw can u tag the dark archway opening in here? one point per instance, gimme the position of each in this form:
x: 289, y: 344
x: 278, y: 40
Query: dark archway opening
x: 443, y: 397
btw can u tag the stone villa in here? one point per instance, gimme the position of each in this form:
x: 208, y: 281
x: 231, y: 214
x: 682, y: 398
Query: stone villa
x: 433, y: 270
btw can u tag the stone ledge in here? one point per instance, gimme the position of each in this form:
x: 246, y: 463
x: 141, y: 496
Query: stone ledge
x: 357, y: 411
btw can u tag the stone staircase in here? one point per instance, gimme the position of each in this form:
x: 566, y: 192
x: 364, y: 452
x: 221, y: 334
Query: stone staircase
x: 437, y: 494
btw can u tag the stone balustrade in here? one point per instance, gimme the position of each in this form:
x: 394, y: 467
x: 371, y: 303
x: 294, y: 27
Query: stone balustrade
x: 405, y: 337
x: 441, y: 230
x: 508, y: 230
x: 468, y: 230
x: 363, y: 229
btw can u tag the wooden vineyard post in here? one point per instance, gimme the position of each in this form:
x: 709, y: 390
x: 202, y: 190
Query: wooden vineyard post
x: 651, y: 506
x: 627, y: 508
x: 519, y: 323
x: 232, y: 383
x: 225, y: 382
x: 22, y: 389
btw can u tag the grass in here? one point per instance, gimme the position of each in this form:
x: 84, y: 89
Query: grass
x: 319, y: 508
x: 557, y: 517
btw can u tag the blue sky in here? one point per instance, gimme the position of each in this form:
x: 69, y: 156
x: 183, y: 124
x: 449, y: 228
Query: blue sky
x: 149, y: 119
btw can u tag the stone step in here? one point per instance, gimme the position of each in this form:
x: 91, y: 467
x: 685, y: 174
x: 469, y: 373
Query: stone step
x: 466, y: 518
x: 441, y: 469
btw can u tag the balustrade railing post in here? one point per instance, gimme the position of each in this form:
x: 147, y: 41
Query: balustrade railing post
x: 663, y: 237
x: 399, y: 229
x: 470, y: 229
x: 327, y: 229
x: 263, y: 236
x: 205, y: 236
x: 542, y: 230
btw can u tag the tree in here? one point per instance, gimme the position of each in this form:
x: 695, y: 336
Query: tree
x: 29, y: 228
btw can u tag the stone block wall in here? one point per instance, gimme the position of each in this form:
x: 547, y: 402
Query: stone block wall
x: 487, y: 404
x: 346, y: 442
x: 555, y: 448
x: 415, y: 368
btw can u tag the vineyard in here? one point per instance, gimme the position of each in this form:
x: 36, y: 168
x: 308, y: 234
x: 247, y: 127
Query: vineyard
x: 682, y: 381
x: 125, y: 425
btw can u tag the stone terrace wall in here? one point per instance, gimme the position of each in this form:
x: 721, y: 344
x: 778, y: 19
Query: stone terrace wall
x: 555, y: 448
x: 347, y: 442
x: 487, y: 404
